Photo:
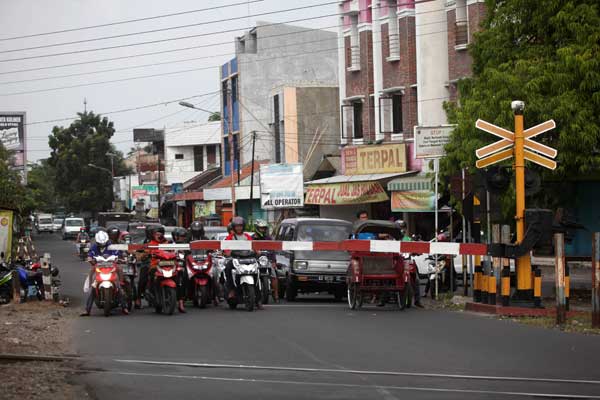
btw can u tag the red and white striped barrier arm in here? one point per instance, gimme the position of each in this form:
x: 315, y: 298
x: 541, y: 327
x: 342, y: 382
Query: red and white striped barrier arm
x: 372, y: 246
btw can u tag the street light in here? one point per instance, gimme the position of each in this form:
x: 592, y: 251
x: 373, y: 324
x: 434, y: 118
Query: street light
x: 101, y: 168
x: 190, y: 105
x: 112, y: 162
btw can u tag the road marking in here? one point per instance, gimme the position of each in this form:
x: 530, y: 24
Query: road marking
x: 362, y: 372
x: 350, y: 385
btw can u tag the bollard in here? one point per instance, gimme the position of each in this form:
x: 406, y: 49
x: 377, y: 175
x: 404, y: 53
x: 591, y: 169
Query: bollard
x: 559, y: 254
x: 492, y: 288
x: 477, y: 280
x: 567, y: 286
x: 16, y: 287
x: 484, y: 287
x: 505, y: 290
x: 46, y: 276
x: 596, y: 280
x: 537, y: 288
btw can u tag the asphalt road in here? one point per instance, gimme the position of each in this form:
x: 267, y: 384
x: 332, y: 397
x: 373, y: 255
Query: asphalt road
x: 319, y: 349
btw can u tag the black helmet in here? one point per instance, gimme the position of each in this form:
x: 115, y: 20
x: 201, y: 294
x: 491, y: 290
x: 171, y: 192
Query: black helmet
x: 238, y: 221
x: 179, y: 235
x: 197, y: 229
x: 114, y: 233
x: 149, y: 231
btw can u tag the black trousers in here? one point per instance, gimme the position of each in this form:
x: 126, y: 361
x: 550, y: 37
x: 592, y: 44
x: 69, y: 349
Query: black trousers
x: 142, y: 281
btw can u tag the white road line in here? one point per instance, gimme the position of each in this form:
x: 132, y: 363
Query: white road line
x: 362, y: 372
x: 355, y: 386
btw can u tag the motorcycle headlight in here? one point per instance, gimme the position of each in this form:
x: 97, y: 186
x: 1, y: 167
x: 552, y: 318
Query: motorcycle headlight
x: 301, y: 264
x: 263, y: 261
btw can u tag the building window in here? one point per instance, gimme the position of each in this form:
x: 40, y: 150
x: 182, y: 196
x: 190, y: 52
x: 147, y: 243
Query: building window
x: 390, y: 113
x: 198, y: 158
x: 393, y: 32
x: 211, y: 155
x: 179, y: 156
x: 352, y: 121
x: 461, y: 26
x: 235, y: 104
x: 354, y: 59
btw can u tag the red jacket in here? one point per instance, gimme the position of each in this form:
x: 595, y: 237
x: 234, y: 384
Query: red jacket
x: 231, y: 236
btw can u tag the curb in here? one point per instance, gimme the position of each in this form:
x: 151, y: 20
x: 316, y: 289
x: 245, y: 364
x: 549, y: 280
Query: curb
x: 33, y: 357
x: 516, y: 311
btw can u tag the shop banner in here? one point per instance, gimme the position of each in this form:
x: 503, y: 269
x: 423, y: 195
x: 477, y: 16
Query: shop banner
x: 413, y: 201
x: 281, y: 186
x: 377, y: 159
x: 143, y: 191
x: 12, y: 136
x: 204, y: 208
x: 345, y: 193
x: 6, y: 230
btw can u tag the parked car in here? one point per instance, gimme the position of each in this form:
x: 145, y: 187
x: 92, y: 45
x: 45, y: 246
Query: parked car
x: 71, y: 227
x: 44, y: 223
x: 313, y: 271
x: 57, y: 224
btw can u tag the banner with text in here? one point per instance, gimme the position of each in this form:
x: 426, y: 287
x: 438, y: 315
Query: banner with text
x: 12, y: 136
x: 6, y: 231
x: 413, y: 201
x: 374, y: 159
x: 345, y: 193
x: 430, y: 140
x: 281, y: 186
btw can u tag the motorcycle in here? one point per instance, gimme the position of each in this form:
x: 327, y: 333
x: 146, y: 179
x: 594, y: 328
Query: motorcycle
x: 219, y: 261
x: 268, y: 277
x: 246, y: 282
x: 129, y: 272
x: 201, y: 287
x: 162, y: 292
x: 84, y: 248
x: 438, y: 275
x: 6, y: 285
x: 107, y: 294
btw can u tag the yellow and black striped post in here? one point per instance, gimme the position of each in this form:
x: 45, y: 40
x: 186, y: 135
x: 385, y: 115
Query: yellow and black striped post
x: 567, y: 286
x: 477, y: 280
x: 492, y: 288
x: 537, y: 288
x: 505, y: 286
x: 484, y: 287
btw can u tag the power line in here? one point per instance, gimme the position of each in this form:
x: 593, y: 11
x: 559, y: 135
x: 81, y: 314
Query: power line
x: 163, y: 29
x: 129, y: 21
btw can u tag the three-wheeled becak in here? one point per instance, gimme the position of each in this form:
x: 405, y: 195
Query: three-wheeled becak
x: 385, y: 275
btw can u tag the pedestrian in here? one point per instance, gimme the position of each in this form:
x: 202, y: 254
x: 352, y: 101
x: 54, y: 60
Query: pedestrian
x: 362, y: 215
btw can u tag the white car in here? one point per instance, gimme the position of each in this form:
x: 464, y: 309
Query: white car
x: 57, y: 224
x: 71, y: 227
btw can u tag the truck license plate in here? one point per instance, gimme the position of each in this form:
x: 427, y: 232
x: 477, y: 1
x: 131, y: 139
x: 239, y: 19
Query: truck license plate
x: 326, y: 278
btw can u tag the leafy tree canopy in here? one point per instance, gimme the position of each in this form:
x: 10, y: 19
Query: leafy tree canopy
x: 546, y: 53
x: 86, y: 141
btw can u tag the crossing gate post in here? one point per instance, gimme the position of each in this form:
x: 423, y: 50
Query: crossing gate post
x: 559, y: 251
x: 505, y: 265
x: 477, y: 280
x: 537, y: 288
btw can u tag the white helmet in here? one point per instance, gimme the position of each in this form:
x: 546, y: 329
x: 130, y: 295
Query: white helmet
x: 101, y: 238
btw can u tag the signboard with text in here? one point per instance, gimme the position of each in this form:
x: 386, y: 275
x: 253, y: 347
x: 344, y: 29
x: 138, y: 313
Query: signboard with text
x: 281, y: 186
x: 374, y: 159
x: 430, y: 140
x: 413, y: 201
x: 345, y: 193
x: 12, y: 136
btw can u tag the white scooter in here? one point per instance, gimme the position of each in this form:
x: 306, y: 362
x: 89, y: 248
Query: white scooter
x: 246, y: 281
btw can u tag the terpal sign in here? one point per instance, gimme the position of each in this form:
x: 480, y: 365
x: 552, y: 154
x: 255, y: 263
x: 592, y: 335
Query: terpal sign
x: 281, y: 186
x: 345, y: 193
x: 380, y: 159
x: 430, y: 140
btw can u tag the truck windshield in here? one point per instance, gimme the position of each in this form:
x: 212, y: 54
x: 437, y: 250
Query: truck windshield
x: 45, y: 221
x: 74, y: 222
x: 323, y: 233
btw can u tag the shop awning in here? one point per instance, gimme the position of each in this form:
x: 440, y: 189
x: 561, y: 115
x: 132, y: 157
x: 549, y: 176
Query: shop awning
x: 198, y: 195
x: 410, y: 183
x: 358, y: 178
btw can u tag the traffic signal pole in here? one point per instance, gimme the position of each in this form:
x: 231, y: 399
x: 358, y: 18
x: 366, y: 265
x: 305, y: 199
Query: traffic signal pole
x: 524, y: 286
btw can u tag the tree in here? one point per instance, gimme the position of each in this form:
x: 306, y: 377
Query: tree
x: 41, y: 184
x: 86, y: 141
x: 216, y: 116
x: 546, y: 53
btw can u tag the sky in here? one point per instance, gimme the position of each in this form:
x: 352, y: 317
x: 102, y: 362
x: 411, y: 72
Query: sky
x: 31, y: 17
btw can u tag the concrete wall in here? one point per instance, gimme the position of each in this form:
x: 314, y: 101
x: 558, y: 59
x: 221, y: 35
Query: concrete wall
x: 308, y: 57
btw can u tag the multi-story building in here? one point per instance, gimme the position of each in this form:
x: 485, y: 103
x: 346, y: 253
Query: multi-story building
x: 270, y: 56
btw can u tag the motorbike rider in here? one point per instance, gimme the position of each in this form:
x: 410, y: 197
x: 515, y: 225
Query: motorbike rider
x: 100, y: 247
x: 81, y: 236
x: 261, y: 232
x: 197, y: 231
x: 144, y: 258
x: 237, y: 233
x: 401, y: 224
x: 180, y: 236
x: 114, y: 234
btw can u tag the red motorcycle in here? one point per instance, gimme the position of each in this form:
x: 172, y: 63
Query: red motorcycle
x: 200, y: 281
x: 107, y: 293
x: 409, y: 276
x: 162, y: 293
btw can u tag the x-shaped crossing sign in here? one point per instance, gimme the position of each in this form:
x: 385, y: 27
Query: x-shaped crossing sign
x: 504, y: 149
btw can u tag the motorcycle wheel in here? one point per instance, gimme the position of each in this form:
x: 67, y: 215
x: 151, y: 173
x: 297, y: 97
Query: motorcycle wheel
x: 290, y: 291
x: 107, y: 294
x: 249, y: 296
x: 353, y: 296
x: 202, y: 296
x: 232, y: 303
x: 169, y: 299
x: 265, y: 290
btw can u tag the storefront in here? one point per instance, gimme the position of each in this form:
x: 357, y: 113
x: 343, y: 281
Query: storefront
x: 362, y: 184
x: 413, y: 200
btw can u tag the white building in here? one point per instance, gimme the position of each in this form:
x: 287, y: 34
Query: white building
x: 190, y: 149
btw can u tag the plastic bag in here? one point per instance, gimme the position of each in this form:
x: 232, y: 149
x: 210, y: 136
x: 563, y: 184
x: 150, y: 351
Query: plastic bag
x: 86, y: 285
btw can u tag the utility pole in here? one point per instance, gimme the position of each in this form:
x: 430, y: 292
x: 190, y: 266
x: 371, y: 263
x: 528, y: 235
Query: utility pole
x: 231, y: 153
x: 250, y: 215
